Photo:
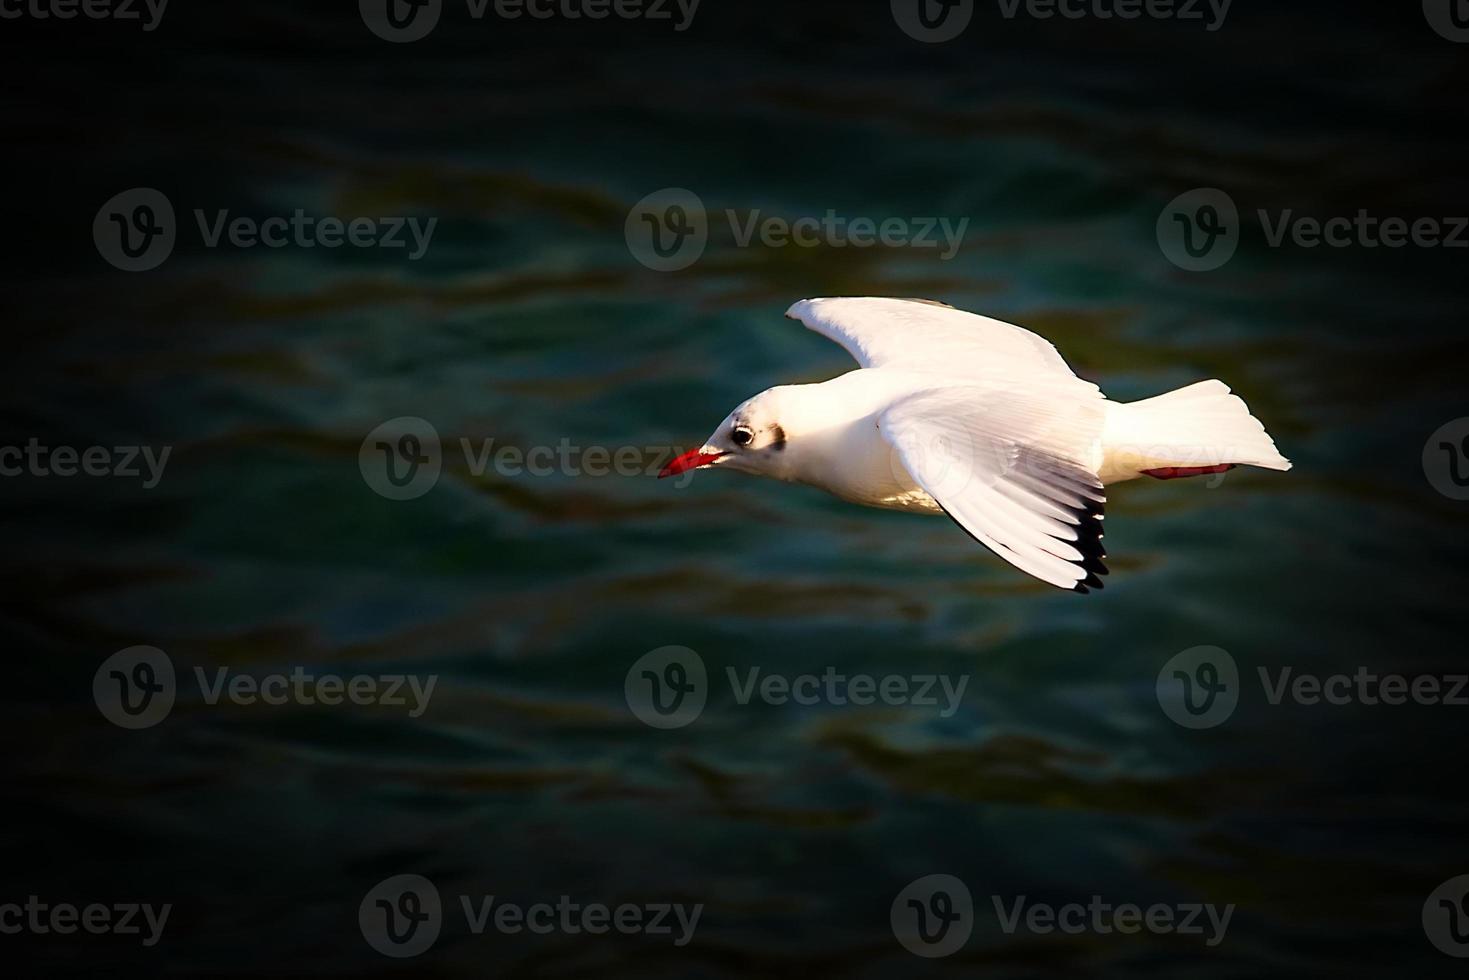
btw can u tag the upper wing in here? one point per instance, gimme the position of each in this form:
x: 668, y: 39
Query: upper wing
x: 922, y: 334
x: 1014, y: 469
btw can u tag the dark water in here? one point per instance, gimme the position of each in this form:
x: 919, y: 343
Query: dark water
x: 529, y: 322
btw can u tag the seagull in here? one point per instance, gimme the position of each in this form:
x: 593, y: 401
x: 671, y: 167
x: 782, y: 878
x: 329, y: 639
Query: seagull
x: 954, y: 413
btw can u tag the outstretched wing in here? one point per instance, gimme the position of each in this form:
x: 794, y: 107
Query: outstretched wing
x: 925, y: 335
x: 1015, y: 469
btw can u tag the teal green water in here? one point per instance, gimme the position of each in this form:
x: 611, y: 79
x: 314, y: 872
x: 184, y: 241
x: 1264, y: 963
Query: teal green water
x: 529, y: 322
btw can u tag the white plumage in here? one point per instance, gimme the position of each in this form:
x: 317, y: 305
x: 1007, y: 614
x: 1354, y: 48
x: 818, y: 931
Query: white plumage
x: 951, y: 412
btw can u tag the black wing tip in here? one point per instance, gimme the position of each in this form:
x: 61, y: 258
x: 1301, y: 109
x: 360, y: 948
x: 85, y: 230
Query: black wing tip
x: 1089, y: 546
x: 1048, y: 475
x: 1085, y: 586
x: 1089, y: 543
x: 1089, y: 515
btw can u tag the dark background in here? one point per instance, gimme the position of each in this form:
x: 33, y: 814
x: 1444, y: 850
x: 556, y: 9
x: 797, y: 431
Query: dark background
x: 530, y: 321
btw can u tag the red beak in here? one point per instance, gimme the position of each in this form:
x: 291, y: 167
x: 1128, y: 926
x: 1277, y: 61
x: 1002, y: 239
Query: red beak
x: 691, y: 460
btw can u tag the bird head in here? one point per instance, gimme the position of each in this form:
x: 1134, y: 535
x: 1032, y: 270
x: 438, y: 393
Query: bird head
x: 751, y: 439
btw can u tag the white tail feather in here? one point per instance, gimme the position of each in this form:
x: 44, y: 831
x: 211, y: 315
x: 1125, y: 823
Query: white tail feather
x: 1199, y: 425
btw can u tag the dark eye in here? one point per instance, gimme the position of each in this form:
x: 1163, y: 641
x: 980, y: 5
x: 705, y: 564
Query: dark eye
x: 743, y: 435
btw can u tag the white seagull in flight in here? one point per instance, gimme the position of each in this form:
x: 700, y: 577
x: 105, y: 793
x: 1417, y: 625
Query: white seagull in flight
x: 958, y: 414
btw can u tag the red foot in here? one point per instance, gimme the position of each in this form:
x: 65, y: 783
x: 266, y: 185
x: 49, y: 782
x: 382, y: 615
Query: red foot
x: 1178, y: 472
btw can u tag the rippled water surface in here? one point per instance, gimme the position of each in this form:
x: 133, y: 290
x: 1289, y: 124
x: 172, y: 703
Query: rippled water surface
x: 529, y: 322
